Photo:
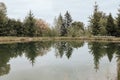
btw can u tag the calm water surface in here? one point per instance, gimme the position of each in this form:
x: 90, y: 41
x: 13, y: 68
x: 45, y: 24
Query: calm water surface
x: 66, y: 60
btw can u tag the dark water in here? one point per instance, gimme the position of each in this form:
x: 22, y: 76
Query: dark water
x: 66, y: 60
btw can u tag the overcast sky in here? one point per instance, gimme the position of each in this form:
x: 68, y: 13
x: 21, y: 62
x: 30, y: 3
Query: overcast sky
x: 48, y: 9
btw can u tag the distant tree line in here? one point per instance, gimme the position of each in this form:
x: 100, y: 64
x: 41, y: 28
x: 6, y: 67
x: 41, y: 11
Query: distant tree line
x: 100, y: 24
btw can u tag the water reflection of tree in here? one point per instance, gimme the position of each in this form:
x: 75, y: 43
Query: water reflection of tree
x: 98, y: 51
x: 118, y: 61
x: 118, y: 67
x: 66, y: 48
x: 6, y: 52
x: 110, y: 50
x: 31, y: 51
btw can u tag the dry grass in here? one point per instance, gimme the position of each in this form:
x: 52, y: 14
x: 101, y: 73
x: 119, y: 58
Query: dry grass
x: 29, y: 39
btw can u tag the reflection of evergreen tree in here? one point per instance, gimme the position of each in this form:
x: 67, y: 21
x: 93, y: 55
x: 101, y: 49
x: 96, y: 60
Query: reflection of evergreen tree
x: 60, y: 48
x: 66, y: 48
x: 76, y: 44
x: 34, y: 49
x: 118, y: 60
x: 110, y: 50
x: 98, y: 51
x: 31, y: 50
x: 69, y: 51
x: 118, y: 67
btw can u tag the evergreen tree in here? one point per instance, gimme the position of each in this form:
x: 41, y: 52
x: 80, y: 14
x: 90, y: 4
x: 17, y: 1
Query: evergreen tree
x: 94, y: 21
x: 29, y: 24
x: 63, y: 30
x: 66, y: 24
x: 19, y: 28
x: 10, y: 28
x: 118, y: 23
x: 62, y: 25
x: 58, y: 24
x: 110, y: 26
x: 67, y: 20
x: 3, y: 18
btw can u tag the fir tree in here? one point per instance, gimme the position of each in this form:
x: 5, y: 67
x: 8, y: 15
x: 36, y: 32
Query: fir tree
x: 110, y: 27
x: 118, y: 23
x: 67, y: 20
x: 95, y: 21
x: 29, y: 24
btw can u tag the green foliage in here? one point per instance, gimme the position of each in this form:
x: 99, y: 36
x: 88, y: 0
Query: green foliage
x: 100, y: 25
x: 29, y: 24
x: 98, y: 22
x: 67, y: 20
x: 62, y: 24
x: 118, y: 23
x: 110, y: 27
x: 58, y: 24
x: 76, y: 29
x: 94, y: 21
x: 14, y: 28
x: 3, y: 18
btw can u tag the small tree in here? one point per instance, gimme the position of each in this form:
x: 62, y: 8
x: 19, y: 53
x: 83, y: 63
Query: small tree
x: 76, y: 29
x: 42, y: 28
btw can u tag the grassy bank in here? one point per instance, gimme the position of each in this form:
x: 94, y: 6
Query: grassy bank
x: 29, y: 39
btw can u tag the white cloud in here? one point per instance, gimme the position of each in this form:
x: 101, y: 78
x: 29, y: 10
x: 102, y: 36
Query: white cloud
x: 48, y: 9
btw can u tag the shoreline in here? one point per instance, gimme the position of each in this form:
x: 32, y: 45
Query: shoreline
x: 33, y: 39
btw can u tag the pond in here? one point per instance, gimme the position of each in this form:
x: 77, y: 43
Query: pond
x: 60, y: 60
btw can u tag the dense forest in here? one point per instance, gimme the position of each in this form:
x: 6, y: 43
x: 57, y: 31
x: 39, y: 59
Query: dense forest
x: 100, y: 24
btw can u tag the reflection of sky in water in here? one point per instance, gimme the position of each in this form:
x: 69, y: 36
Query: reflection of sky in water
x: 79, y: 67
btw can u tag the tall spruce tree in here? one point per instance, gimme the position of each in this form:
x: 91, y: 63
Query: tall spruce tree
x: 67, y: 19
x: 66, y: 24
x: 110, y: 26
x: 118, y: 23
x: 29, y: 24
x: 94, y: 21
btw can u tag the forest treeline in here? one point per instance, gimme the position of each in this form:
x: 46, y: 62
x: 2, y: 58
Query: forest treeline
x: 100, y: 24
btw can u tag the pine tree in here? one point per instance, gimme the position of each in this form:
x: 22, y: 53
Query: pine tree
x: 94, y: 21
x: 29, y: 24
x: 58, y: 24
x: 66, y: 24
x: 118, y: 23
x: 110, y: 27
x: 67, y: 20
